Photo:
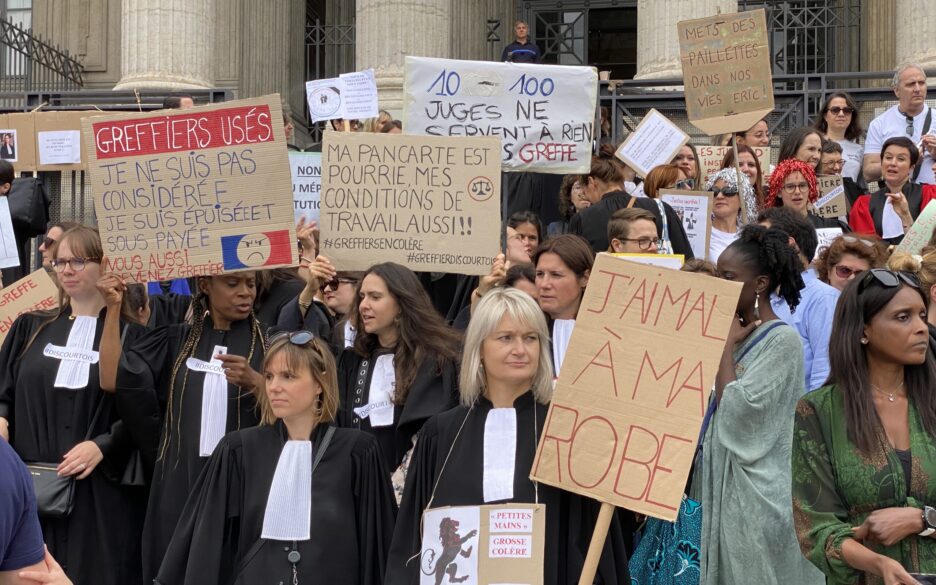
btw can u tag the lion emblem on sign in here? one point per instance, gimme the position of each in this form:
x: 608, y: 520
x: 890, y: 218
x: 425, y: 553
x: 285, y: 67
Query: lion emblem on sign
x: 442, y: 564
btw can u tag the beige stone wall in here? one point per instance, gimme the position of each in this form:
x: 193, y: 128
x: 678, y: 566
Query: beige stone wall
x: 88, y: 29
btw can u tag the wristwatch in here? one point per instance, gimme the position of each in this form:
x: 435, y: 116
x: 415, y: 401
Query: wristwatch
x: 929, y: 521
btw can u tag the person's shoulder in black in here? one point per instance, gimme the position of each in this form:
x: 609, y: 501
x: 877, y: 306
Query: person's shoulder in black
x: 526, y: 52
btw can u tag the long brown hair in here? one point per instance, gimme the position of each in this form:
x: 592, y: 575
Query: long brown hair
x: 423, y: 333
x: 848, y: 365
x: 315, y: 356
x: 728, y: 163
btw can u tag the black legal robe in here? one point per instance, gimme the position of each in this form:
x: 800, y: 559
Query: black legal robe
x: 99, y: 543
x: 432, y: 391
x: 282, y: 293
x: 144, y: 404
x: 570, y: 518
x: 352, y: 517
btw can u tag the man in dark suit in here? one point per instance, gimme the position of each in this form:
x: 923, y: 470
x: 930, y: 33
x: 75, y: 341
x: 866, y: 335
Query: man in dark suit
x: 8, y: 147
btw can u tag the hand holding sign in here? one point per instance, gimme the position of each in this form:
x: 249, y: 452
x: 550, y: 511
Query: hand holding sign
x: 317, y: 273
x: 111, y: 287
x: 308, y: 236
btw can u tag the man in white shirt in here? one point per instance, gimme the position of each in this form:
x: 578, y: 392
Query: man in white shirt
x: 908, y: 118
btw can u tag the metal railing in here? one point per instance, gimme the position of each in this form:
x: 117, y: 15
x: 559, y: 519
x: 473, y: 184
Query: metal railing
x: 797, y: 101
x: 30, y: 64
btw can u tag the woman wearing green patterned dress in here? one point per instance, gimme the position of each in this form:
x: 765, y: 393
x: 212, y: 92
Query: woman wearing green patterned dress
x: 864, y: 446
x: 747, y: 522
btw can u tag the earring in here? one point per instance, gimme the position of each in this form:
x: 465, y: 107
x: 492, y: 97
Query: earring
x: 864, y: 341
x: 756, y: 307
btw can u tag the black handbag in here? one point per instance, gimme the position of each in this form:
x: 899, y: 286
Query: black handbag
x: 29, y: 207
x: 55, y: 495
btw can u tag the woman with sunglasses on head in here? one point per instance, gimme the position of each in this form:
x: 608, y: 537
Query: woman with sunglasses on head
x: 747, y: 525
x: 294, y: 500
x: 181, y: 387
x: 401, y: 369
x: 849, y: 257
x: 726, y: 208
x: 864, y: 446
x: 53, y: 412
x: 482, y: 451
x: 838, y: 121
x: 891, y: 211
x: 750, y: 167
x: 793, y: 185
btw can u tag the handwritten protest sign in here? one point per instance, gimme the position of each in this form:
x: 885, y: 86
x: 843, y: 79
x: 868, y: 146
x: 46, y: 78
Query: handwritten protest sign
x: 634, y: 386
x: 694, y: 209
x: 427, y: 202
x: 726, y: 71
x: 655, y: 141
x: 499, y: 544
x: 350, y: 96
x: 35, y: 292
x: 306, y: 169
x: 826, y: 236
x: 711, y: 157
x: 543, y: 114
x: 671, y: 261
x: 920, y: 232
x: 832, y: 201
x: 183, y: 193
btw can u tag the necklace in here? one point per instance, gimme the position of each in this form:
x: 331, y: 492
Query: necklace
x: 891, y: 396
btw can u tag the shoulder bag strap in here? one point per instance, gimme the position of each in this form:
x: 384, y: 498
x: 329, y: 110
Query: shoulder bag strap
x: 253, y: 550
x: 926, y: 127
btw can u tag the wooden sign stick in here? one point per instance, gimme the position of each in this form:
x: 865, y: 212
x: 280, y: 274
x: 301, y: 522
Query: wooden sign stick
x: 737, y: 166
x: 347, y: 125
x: 597, y: 544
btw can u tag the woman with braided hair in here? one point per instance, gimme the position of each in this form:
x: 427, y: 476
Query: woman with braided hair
x: 793, y: 185
x: 747, y: 524
x: 180, y: 388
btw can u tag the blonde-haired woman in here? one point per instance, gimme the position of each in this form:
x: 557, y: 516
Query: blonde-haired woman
x: 293, y: 500
x: 481, y: 452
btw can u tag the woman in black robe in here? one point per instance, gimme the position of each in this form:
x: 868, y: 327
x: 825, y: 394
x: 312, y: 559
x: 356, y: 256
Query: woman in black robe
x: 403, y: 337
x: 338, y: 531
x: 506, y: 366
x: 160, y: 392
x: 54, y: 416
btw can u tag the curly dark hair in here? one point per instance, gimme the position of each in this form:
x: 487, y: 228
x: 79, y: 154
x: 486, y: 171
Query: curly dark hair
x: 768, y: 252
x: 566, y: 207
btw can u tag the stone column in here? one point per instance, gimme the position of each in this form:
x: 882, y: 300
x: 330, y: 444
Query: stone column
x: 878, y: 38
x: 388, y: 30
x: 166, y: 44
x: 657, y: 43
x: 916, y: 27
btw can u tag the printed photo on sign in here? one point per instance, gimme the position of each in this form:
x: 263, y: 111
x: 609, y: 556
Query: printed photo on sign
x: 324, y: 97
x: 450, y: 546
x: 8, y: 145
x: 543, y: 114
x: 694, y: 209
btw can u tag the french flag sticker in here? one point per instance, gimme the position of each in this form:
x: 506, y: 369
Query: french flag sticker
x: 246, y: 251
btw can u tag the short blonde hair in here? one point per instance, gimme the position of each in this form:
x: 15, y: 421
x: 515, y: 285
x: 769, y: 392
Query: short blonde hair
x: 496, y: 304
x: 317, y: 358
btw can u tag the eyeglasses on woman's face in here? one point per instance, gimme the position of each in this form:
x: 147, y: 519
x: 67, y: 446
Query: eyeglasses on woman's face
x: 77, y: 263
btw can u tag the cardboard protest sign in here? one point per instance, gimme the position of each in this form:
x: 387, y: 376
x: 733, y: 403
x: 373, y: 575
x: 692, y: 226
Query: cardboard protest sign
x: 543, y: 114
x: 58, y: 140
x: 306, y: 169
x: 429, y: 203
x: 671, y: 261
x: 182, y: 193
x: 497, y: 544
x: 826, y: 237
x: 832, y: 202
x: 18, y: 131
x: 655, y: 141
x: 625, y: 416
x: 694, y: 209
x: 726, y: 71
x: 351, y: 96
x: 711, y: 157
x: 920, y: 232
x: 36, y: 292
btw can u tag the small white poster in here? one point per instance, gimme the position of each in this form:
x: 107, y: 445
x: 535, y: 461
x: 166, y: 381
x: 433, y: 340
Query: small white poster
x: 306, y: 168
x: 654, y: 142
x: 9, y: 256
x: 450, y: 546
x: 350, y: 96
x: 60, y: 147
x: 826, y: 237
x: 694, y: 209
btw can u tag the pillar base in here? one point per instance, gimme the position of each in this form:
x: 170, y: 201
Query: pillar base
x: 158, y: 83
